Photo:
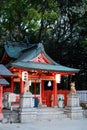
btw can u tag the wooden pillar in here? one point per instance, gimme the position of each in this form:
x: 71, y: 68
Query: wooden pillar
x: 55, y: 93
x: 21, y: 83
x: 42, y: 83
x: 12, y: 84
x: 40, y: 92
x: 1, y: 105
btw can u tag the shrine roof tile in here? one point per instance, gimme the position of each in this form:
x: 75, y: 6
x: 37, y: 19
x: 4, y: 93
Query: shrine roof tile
x: 14, y: 50
x: 25, y: 54
x: 46, y: 67
x: 33, y: 52
x: 4, y: 82
x: 4, y: 71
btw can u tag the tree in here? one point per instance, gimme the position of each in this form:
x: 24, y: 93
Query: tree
x: 68, y: 46
x: 21, y: 17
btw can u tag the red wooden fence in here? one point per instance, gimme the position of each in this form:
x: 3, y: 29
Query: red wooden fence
x: 48, y: 96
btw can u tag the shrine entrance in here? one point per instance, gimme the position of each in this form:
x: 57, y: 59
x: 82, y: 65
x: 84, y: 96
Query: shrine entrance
x: 48, y: 92
x: 35, y: 89
x: 44, y: 93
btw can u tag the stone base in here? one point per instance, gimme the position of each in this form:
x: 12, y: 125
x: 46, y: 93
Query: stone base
x: 73, y: 109
x: 26, y: 112
x: 27, y: 115
x: 74, y: 113
x: 26, y: 100
x: 73, y: 100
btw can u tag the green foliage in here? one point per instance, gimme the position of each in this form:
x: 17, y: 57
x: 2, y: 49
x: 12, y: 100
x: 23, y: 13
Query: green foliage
x: 30, y: 21
x: 84, y: 44
x: 50, y: 17
x: 24, y: 16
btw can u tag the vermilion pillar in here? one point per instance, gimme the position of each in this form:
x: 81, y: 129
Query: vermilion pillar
x: 55, y: 93
x: 1, y: 105
x: 21, y: 83
x: 12, y: 84
x: 42, y: 85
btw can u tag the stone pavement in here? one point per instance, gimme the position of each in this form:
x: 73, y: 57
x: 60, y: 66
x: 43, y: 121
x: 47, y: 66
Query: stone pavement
x: 60, y: 124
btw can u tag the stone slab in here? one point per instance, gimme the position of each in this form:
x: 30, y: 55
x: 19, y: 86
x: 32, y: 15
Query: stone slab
x: 76, y: 114
x: 27, y: 116
x: 73, y: 100
x: 26, y: 100
x: 73, y: 109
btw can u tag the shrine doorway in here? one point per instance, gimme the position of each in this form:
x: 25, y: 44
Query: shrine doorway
x: 35, y: 89
x: 44, y: 94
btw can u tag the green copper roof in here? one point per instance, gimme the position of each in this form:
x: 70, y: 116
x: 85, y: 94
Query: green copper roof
x: 4, y: 71
x: 46, y: 67
x: 14, y: 49
x: 4, y: 82
x: 29, y: 54
x: 26, y: 54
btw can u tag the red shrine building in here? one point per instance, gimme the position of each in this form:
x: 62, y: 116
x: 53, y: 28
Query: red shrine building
x: 30, y: 62
x: 4, y: 73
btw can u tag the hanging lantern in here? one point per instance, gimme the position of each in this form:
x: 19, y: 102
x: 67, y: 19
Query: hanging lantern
x: 58, y: 78
x: 49, y: 84
x: 25, y: 76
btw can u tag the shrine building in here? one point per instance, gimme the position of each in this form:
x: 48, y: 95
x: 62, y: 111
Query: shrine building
x: 29, y: 62
x: 4, y: 73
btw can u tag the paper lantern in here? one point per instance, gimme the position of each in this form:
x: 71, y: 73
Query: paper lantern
x: 25, y: 76
x: 58, y: 78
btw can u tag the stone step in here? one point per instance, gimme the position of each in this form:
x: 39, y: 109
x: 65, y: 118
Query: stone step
x: 47, y: 116
x: 51, y: 113
x: 34, y: 114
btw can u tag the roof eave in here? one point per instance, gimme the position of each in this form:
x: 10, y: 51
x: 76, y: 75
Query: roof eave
x: 71, y: 70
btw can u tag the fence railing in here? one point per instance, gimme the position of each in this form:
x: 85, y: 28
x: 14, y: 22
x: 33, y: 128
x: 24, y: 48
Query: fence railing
x: 82, y: 95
